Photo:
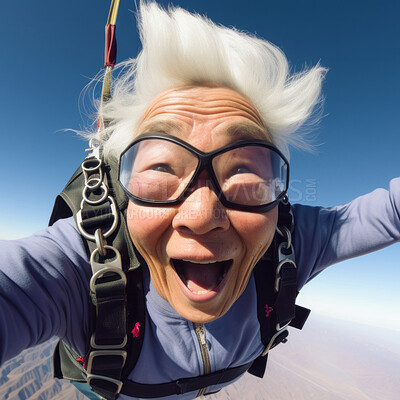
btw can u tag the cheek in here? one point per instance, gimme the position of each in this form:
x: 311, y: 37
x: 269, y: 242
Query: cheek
x: 255, y: 230
x: 149, y: 229
x: 146, y: 225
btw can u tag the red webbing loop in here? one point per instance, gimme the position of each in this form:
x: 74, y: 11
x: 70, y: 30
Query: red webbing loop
x: 110, y: 51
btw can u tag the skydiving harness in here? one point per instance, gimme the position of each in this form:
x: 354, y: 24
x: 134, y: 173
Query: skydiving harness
x: 117, y: 319
x: 117, y: 302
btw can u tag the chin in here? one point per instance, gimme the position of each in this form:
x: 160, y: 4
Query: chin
x: 194, y: 314
x: 201, y: 291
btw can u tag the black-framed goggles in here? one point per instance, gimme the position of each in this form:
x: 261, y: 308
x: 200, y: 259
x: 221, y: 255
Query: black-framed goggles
x: 158, y: 169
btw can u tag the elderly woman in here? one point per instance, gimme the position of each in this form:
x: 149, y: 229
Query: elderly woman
x: 180, y: 266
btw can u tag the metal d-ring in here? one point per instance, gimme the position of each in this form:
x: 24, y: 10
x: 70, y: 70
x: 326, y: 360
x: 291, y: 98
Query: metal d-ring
x: 98, y: 201
x: 86, y: 168
x: 79, y: 222
x: 92, y: 182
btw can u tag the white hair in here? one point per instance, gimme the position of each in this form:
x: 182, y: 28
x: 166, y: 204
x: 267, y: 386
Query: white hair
x: 180, y: 48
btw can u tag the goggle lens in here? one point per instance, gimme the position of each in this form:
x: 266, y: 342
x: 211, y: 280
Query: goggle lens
x: 250, y: 175
x: 156, y: 169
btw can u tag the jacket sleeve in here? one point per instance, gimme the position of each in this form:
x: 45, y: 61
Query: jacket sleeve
x: 43, y: 289
x: 324, y: 236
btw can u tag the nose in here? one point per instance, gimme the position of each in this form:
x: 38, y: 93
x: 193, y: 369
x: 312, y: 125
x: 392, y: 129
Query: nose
x: 201, y: 212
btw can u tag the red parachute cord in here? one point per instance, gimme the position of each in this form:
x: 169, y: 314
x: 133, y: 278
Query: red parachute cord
x: 110, y: 56
x: 110, y: 51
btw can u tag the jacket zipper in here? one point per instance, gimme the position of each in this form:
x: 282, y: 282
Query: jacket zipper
x: 201, y: 336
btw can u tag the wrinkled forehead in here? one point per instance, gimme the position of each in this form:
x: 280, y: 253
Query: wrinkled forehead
x: 186, y: 105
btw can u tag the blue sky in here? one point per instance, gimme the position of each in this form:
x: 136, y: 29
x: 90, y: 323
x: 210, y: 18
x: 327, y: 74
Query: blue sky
x: 51, y: 49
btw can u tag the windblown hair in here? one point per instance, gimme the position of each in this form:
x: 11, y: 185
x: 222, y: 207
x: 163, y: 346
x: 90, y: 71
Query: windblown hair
x: 180, y: 48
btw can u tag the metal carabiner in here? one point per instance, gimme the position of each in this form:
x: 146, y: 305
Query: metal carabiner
x: 100, y: 242
x: 285, y: 233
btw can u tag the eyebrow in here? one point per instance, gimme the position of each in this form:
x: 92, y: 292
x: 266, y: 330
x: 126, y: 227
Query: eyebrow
x: 165, y: 126
x: 248, y: 131
x: 237, y: 131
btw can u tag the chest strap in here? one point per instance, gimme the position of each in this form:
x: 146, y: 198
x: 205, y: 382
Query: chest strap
x: 181, y: 386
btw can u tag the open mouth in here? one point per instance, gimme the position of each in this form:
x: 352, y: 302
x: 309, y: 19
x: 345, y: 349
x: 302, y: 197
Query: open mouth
x: 202, y: 277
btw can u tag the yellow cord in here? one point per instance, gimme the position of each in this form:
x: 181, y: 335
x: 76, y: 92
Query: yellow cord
x: 112, y: 15
x: 106, y: 87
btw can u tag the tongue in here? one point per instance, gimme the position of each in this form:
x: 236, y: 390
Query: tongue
x: 202, y: 277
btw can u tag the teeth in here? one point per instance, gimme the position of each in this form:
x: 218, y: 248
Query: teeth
x: 202, y: 291
x: 201, y: 262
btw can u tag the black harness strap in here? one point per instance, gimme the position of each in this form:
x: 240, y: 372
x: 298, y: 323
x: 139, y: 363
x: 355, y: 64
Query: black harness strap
x: 276, y: 283
x: 182, y: 386
x: 117, y: 307
x: 264, y: 275
x: 115, y: 346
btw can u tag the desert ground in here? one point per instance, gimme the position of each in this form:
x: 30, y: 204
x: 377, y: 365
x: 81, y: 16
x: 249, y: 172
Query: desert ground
x: 328, y: 360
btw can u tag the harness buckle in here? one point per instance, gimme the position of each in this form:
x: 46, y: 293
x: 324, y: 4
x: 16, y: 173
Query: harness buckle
x: 102, y: 272
x: 103, y: 353
x: 278, y: 271
x: 112, y: 265
x: 116, y: 382
x: 107, y: 346
x: 282, y: 331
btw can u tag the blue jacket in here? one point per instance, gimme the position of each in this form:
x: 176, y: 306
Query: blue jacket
x: 44, y: 290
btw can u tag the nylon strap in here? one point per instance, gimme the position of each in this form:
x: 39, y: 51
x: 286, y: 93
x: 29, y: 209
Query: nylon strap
x: 119, y: 308
x: 276, y: 292
x: 182, y: 386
